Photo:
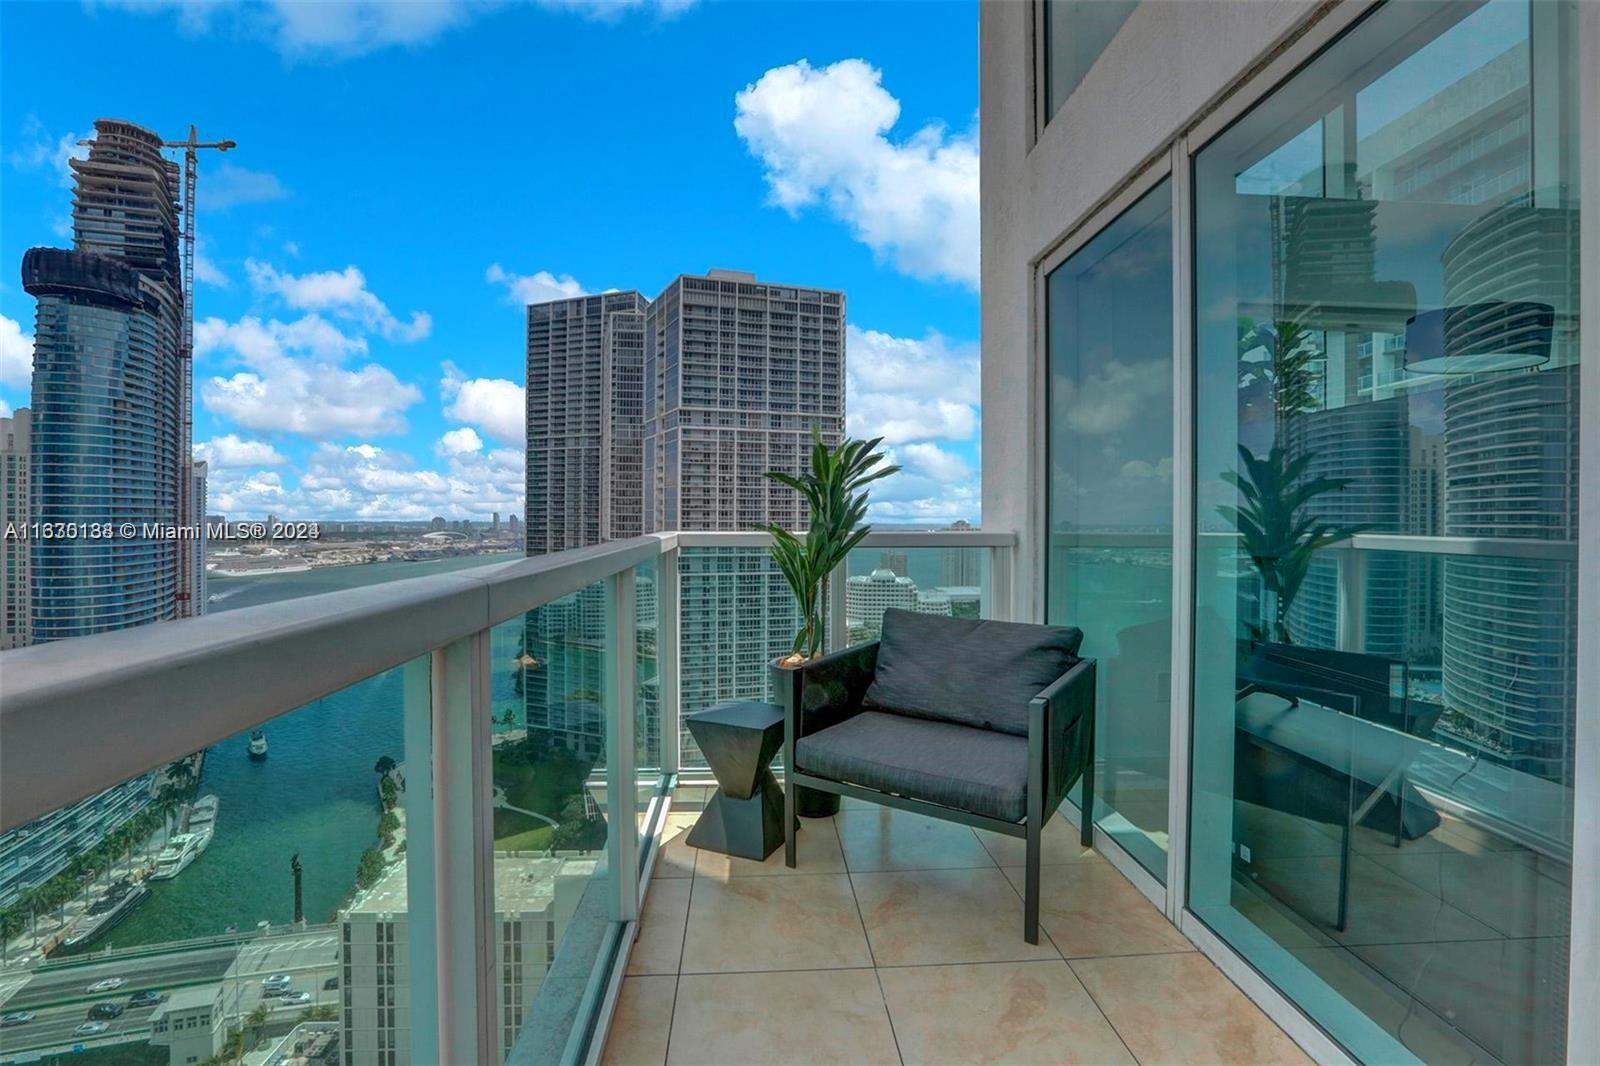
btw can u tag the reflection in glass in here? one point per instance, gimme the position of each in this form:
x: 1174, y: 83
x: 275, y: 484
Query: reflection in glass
x: 1109, y: 570
x: 261, y: 885
x: 1075, y: 33
x: 1387, y: 342
x: 551, y: 878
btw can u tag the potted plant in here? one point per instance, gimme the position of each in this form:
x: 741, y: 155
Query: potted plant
x: 836, y: 498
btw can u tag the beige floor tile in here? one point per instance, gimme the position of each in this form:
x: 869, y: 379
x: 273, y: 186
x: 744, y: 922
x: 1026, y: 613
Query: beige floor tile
x: 666, y: 911
x: 1091, y: 909
x: 817, y: 852
x: 773, y: 1018
x: 641, y: 1023
x: 1057, y: 844
x: 1006, y: 1012
x: 888, y: 839
x: 773, y: 923
x: 944, y: 916
x: 1180, y: 1008
x: 677, y: 858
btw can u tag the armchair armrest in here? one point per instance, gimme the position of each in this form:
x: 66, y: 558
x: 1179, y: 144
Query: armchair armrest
x: 1061, y: 732
x: 825, y: 691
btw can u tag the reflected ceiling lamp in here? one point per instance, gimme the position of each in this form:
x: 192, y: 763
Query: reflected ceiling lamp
x: 1480, y: 338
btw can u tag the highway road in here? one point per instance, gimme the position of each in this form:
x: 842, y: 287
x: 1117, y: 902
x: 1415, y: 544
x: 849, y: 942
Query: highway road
x: 58, y: 996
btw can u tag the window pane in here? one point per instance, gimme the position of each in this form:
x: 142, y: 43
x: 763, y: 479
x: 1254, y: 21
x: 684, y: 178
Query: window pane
x: 552, y: 879
x: 945, y: 581
x: 1387, y: 343
x: 275, y: 879
x: 1075, y: 33
x: 1109, y: 570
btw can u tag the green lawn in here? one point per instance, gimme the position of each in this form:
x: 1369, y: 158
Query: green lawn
x: 544, y: 786
x: 515, y: 831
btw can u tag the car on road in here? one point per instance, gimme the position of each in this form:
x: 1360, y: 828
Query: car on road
x: 295, y: 999
x: 276, y: 985
x: 91, y: 1028
x: 107, y: 1009
x: 16, y: 1017
x: 109, y: 984
x: 148, y: 998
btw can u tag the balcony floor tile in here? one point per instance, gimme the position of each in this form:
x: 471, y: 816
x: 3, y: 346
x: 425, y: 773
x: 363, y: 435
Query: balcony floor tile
x: 917, y: 965
x: 944, y: 916
x: 1180, y: 1008
x: 1091, y: 910
x: 836, y: 1016
x: 642, y: 1022
x: 887, y: 839
x: 773, y: 923
x: 1006, y: 1012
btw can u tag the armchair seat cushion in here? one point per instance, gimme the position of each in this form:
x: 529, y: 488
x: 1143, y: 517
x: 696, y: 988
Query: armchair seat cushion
x: 977, y: 770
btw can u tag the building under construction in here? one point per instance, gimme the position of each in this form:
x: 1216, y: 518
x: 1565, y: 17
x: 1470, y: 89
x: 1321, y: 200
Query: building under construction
x: 111, y: 397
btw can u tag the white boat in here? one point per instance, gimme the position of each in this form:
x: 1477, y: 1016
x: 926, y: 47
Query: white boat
x: 107, y: 911
x: 181, y: 850
x: 202, y: 816
x: 258, y: 745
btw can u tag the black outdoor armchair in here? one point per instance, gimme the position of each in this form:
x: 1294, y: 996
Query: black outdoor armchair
x: 988, y: 724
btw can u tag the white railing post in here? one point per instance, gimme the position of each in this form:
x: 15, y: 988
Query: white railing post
x: 421, y: 803
x: 622, y: 778
x: 668, y: 658
x: 464, y: 851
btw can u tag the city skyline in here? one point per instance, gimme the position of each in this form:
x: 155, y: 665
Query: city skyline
x: 336, y: 377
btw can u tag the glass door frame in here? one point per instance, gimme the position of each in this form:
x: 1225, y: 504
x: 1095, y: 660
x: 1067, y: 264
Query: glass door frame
x: 1176, y: 161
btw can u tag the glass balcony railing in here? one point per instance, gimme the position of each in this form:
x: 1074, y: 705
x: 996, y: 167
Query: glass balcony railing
x: 392, y: 822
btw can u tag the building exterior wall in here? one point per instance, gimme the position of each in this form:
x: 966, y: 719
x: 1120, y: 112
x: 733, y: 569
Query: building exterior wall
x: 16, y: 611
x: 1164, y: 68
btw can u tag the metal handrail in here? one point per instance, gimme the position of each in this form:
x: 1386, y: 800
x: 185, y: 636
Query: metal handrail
x: 80, y: 715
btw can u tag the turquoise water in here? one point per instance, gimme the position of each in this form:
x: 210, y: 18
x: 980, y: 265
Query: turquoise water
x: 315, y: 793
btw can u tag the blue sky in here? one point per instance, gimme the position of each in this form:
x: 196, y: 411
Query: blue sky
x: 407, y: 175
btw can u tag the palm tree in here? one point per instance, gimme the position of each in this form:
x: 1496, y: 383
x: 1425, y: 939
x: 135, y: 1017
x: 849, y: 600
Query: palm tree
x: 834, y: 490
x: 1280, y: 540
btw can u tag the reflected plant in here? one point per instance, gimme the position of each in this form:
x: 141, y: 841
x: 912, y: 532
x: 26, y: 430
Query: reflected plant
x: 1280, y: 539
x: 1290, y: 374
x: 834, y: 489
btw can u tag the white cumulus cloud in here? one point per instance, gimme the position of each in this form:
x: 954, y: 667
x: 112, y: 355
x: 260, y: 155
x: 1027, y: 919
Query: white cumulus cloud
x: 230, y: 451
x: 461, y: 441
x: 16, y: 355
x: 534, y: 288
x: 494, y: 405
x: 293, y: 380
x: 823, y: 135
x: 341, y: 293
x: 904, y: 389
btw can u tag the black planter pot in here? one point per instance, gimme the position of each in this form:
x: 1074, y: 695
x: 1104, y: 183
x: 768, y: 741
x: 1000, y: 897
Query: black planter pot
x: 787, y: 685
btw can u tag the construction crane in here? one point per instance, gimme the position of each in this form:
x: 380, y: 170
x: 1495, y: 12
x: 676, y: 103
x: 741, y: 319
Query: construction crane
x: 185, y: 584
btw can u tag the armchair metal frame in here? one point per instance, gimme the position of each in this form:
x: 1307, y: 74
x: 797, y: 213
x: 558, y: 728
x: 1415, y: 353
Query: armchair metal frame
x: 829, y: 690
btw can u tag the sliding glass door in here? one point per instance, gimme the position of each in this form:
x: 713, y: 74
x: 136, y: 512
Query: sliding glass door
x: 1109, y: 567
x: 1386, y: 432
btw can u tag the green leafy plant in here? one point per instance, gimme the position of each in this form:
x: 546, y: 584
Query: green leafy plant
x: 835, y: 493
x: 1280, y: 539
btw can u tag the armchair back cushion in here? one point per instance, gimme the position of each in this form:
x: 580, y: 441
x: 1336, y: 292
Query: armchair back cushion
x: 967, y: 671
